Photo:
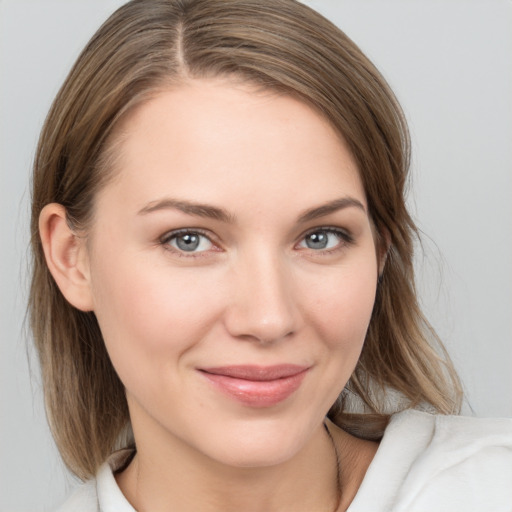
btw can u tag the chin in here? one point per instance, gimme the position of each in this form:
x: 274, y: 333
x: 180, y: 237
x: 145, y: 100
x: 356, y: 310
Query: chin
x: 257, y: 443
x: 257, y: 455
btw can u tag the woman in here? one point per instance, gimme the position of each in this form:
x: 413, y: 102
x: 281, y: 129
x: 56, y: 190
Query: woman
x: 223, y: 282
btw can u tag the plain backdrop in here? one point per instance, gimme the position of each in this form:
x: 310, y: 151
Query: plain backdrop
x: 450, y: 63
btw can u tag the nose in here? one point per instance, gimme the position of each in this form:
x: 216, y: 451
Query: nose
x: 262, y: 306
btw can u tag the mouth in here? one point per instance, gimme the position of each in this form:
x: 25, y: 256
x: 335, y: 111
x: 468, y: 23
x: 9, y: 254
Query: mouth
x: 256, y: 386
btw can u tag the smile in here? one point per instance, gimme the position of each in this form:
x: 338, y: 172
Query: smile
x: 256, y: 386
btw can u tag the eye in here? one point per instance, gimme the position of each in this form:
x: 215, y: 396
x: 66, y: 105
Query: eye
x: 188, y: 241
x: 325, y: 239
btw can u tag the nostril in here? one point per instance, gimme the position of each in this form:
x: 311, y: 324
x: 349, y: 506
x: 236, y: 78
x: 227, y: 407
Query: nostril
x: 248, y: 324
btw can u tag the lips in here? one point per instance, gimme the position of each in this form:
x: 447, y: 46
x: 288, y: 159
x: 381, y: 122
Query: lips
x: 256, y: 386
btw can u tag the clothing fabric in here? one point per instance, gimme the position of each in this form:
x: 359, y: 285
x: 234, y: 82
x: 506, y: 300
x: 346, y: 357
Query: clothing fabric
x: 424, y: 463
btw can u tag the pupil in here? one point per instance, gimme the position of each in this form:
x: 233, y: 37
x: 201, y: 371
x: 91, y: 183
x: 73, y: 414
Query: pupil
x: 188, y: 242
x: 317, y: 240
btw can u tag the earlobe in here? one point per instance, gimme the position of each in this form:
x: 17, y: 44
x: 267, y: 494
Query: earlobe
x: 66, y: 256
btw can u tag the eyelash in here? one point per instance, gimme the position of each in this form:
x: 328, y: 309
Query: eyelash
x: 346, y: 239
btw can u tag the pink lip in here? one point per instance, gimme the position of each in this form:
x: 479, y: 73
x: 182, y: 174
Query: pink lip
x: 257, y: 386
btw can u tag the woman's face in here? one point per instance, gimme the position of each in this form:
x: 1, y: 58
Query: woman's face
x: 233, y: 271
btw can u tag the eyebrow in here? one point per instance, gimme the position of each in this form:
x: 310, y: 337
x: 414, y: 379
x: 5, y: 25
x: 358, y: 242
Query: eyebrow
x: 190, y: 208
x: 216, y: 213
x: 331, y: 207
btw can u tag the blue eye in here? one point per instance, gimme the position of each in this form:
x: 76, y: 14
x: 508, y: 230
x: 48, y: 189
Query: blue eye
x: 324, y: 239
x: 188, y: 241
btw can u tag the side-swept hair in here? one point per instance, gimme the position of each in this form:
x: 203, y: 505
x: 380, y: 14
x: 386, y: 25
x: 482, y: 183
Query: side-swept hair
x: 283, y: 45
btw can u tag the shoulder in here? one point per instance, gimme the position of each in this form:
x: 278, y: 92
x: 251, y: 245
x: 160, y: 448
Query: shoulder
x: 446, y: 463
x: 457, y: 438
x: 102, y: 493
x: 84, y: 498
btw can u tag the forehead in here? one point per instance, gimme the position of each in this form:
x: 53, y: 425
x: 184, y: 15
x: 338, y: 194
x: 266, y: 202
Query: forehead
x: 221, y: 141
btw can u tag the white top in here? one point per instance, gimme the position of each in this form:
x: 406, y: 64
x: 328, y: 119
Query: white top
x: 424, y: 463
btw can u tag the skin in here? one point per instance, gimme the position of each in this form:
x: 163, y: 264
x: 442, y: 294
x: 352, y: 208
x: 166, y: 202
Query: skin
x: 254, y: 292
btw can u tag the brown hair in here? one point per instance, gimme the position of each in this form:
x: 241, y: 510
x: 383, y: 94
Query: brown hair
x: 282, y: 45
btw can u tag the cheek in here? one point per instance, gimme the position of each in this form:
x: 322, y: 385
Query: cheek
x: 342, y: 307
x: 147, y: 313
x: 337, y: 312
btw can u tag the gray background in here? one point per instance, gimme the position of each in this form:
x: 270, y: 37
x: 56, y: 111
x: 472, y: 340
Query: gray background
x: 450, y: 64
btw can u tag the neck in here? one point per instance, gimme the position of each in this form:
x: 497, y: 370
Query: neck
x: 174, y: 476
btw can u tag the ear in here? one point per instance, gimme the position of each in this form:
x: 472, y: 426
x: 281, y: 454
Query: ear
x: 66, y: 256
x: 383, y: 249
